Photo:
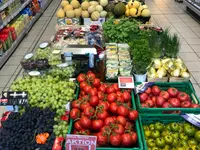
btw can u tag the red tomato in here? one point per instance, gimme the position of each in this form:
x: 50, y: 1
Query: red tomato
x: 105, y: 129
x: 101, y: 96
x: 143, y: 97
x: 182, y: 96
x: 81, y: 77
x: 76, y: 104
x: 121, y: 120
x: 127, y: 140
x: 111, y: 97
x: 84, y: 132
x: 175, y: 102
x: 83, y: 84
x: 94, y: 100
x: 97, y: 125
x: 109, y: 120
x: 102, y: 115
x: 77, y: 125
x: 122, y: 111
x: 92, y: 92
x: 128, y: 126
x: 115, y: 139
x: 115, y: 86
x: 120, y: 99
x: 82, y: 93
x: 87, y: 89
x: 150, y: 103
x: 186, y: 104
x: 133, y: 115
x: 75, y: 113
x: 89, y: 111
x: 84, y: 105
x: 164, y: 94
x: 160, y: 101
x: 102, y: 88
x: 91, y: 76
x: 155, y: 90
x: 194, y: 106
x: 119, y: 93
x: 104, y: 104
x: 148, y: 90
x: 134, y: 137
x: 144, y: 105
x: 110, y: 89
x: 153, y: 98
x: 173, y: 92
x: 113, y: 107
x: 102, y: 140
x: 96, y: 82
x: 126, y: 96
x: 166, y: 105
x: 85, y: 122
x: 119, y: 129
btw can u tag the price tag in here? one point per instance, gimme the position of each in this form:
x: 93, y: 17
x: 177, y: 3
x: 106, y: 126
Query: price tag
x: 14, y: 98
x: 80, y: 142
x: 126, y: 82
x: 192, y: 118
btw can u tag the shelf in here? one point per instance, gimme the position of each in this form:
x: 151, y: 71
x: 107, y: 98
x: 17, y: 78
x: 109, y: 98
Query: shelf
x: 9, y: 52
x: 5, y: 22
x: 193, y: 6
x: 6, y: 5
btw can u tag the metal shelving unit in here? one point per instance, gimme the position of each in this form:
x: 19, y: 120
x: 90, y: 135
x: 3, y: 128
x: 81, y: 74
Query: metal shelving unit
x: 9, y: 52
x: 6, y: 4
x: 193, y: 6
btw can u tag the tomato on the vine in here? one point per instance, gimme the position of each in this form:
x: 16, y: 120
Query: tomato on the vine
x: 87, y: 89
x: 119, y: 93
x: 111, y: 97
x: 115, y: 86
x: 77, y: 125
x: 126, y: 96
x: 122, y: 111
x: 119, y: 129
x: 127, y: 139
x: 104, y: 105
x: 103, y: 114
x: 96, y: 82
x: 115, y: 139
x: 84, y: 105
x: 81, y: 77
x: 85, y: 122
x: 76, y: 104
x: 109, y: 120
x: 101, y: 96
x: 94, y: 100
x: 75, y: 113
x: 120, y: 99
x: 110, y: 89
x: 121, y: 120
x: 113, y: 107
x: 89, y: 111
x: 102, y: 88
x: 106, y: 129
x: 91, y: 76
x: 133, y: 115
x: 92, y: 92
x: 102, y: 139
x: 134, y: 137
x: 97, y: 125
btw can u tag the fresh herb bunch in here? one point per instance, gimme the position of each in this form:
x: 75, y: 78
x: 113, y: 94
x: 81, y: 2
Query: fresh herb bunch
x: 141, y: 55
x: 120, y: 31
x: 170, y: 44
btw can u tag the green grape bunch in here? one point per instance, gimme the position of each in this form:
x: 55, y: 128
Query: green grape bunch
x: 42, y: 53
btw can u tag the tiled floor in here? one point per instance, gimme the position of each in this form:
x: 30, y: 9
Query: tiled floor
x: 165, y: 13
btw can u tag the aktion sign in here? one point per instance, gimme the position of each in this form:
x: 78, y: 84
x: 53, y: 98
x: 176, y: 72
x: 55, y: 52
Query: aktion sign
x: 126, y: 82
x: 80, y: 142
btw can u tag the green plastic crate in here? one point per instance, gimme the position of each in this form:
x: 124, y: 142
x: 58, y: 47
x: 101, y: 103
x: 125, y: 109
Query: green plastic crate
x: 182, y: 86
x: 146, y: 119
x: 140, y: 143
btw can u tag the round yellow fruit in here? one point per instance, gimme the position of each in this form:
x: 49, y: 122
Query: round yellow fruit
x: 78, y: 12
x: 140, y: 9
x: 85, y: 5
x: 68, y: 7
x: 145, y: 6
x: 133, y: 12
x: 91, y: 9
x: 103, y: 2
x: 60, y: 13
x: 94, y: 3
x: 75, y: 4
x: 136, y: 4
x: 103, y: 14
x: 70, y: 14
x: 95, y: 16
x: 64, y: 3
x: 145, y: 13
x: 99, y: 8
x: 130, y: 4
x: 85, y: 14
x: 127, y: 13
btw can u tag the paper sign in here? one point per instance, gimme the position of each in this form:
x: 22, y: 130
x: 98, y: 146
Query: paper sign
x: 80, y: 142
x: 192, y: 118
x: 126, y: 82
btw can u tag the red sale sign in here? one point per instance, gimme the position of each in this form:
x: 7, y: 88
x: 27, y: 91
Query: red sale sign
x: 126, y: 82
x: 80, y: 142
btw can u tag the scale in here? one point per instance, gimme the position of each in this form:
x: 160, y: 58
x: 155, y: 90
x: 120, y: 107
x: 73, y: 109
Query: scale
x: 84, y: 56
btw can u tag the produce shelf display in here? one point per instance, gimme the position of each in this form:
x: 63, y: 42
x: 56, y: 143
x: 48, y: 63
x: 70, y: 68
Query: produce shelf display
x: 72, y: 87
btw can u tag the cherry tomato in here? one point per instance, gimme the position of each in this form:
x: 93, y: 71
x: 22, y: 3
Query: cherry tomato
x: 121, y: 120
x: 85, y: 122
x: 75, y: 113
x: 97, y: 125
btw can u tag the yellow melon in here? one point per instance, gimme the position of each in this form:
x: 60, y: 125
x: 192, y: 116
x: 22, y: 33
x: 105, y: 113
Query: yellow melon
x: 85, y: 5
x: 60, y: 13
x: 95, y: 15
x: 127, y: 13
x: 78, y: 12
x: 70, y: 14
x: 136, y: 4
x: 94, y: 3
x: 133, y: 12
x: 91, y: 9
x: 145, y: 13
x: 68, y: 7
x: 85, y: 14
x: 64, y: 3
x: 75, y: 4
x: 99, y: 8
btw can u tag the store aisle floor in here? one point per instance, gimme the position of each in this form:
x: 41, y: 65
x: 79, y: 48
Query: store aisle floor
x: 165, y: 13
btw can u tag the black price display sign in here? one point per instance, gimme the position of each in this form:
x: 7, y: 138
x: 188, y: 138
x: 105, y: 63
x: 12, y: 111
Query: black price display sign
x: 14, y: 98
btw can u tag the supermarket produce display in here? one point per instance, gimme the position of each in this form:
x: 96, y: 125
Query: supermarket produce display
x: 79, y: 83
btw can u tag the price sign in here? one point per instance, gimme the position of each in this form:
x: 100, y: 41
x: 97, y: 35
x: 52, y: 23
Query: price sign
x: 81, y: 142
x: 14, y: 98
x: 126, y: 82
x: 192, y: 118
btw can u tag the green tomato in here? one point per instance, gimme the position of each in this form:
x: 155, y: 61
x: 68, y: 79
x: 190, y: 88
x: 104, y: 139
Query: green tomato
x: 151, y: 126
x: 175, y: 135
x: 151, y: 143
x: 189, y: 131
x: 183, y: 136
x: 165, y: 133
x: 145, y: 127
x: 159, y: 126
x: 155, y: 148
x: 160, y: 142
x: 175, y: 127
x: 168, y: 127
x: 183, y: 143
x: 180, y: 148
x: 175, y: 142
x: 197, y: 136
x: 147, y: 133
x: 181, y: 129
x: 194, y: 147
x: 192, y: 141
x: 167, y: 147
x: 155, y: 134
x: 168, y: 139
